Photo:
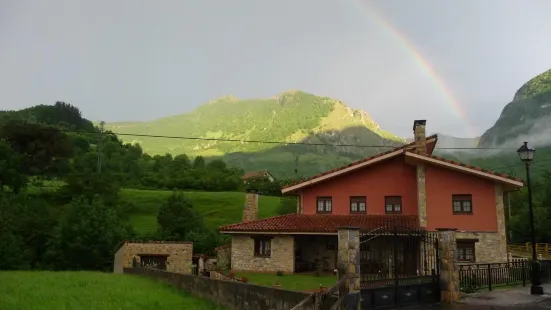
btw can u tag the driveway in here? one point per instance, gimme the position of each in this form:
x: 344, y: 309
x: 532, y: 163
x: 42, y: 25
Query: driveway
x: 511, y: 298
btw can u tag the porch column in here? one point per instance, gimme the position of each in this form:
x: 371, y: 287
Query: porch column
x: 448, y: 267
x: 348, y: 263
x: 349, y: 255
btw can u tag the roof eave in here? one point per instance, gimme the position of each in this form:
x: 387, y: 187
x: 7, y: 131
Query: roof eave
x: 497, y: 178
x: 271, y: 232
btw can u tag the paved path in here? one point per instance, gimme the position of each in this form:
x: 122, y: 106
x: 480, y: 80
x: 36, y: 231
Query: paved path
x: 512, y: 298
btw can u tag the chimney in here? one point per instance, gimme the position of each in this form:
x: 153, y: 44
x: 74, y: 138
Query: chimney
x: 250, y: 211
x: 420, y: 136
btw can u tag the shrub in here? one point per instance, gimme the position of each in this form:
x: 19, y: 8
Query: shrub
x: 279, y: 273
x: 244, y: 279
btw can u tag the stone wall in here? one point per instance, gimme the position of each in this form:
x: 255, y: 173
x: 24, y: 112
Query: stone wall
x: 421, y: 195
x: 250, y: 210
x: 282, y: 255
x: 489, y: 248
x: 179, y: 254
x: 235, y: 295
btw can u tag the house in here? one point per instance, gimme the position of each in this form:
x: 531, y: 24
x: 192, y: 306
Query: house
x: 171, y: 256
x: 405, y: 186
x: 255, y: 175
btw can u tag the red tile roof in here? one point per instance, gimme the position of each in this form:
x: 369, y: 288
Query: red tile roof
x: 325, y: 223
x: 457, y: 163
x: 358, y: 162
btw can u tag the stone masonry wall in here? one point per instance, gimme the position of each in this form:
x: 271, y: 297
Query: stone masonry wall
x: 282, y: 255
x: 250, y: 210
x: 491, y: 246
x: 421, y: 195
x: 179, y: 255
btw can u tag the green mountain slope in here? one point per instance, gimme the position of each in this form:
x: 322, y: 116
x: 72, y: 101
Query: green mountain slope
x: 537, y: 85
x: 293, y: 116
x: 526, y: 118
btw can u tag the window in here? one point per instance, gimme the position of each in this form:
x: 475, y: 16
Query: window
x: 325, y: 204
x: 393, y: 204
x: 357, y: 204
x: 262, y: 246
x: 465, y: 250
x: 462, y: 204
x: 153, y: 261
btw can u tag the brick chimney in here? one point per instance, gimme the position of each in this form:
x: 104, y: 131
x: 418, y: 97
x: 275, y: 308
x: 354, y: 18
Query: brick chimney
x: 420, y: 136
x: 250, y: 211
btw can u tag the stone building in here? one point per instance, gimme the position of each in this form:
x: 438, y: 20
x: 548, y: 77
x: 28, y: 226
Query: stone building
x: 406, y: 186
x: 171, y: 256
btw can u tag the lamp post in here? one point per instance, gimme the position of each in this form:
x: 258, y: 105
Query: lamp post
x: 526, y: 154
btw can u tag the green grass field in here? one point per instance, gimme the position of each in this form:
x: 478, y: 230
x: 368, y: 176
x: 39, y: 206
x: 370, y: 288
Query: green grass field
x: 294, y: 282
x: 217, y: 208
x: 34, y: 290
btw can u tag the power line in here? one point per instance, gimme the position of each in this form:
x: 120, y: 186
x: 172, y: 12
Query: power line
x: 275, y: 142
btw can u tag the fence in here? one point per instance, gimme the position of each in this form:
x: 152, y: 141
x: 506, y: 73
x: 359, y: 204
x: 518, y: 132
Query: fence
x: 238, y: 295
x: 474, y: 277
x: 336, y: 298
x: 525, y: 249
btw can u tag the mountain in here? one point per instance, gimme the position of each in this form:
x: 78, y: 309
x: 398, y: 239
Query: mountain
x: 293, y: 116
x: 447, y: 141
x: 526, y: 118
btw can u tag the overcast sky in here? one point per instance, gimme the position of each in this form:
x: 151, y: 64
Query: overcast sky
x: 122, y: 60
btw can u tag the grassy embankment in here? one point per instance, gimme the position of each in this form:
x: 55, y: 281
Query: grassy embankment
x: 217, y: 208
x: 40, y: 290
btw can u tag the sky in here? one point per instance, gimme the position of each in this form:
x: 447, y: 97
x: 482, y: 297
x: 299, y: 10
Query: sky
x: 454, y: 63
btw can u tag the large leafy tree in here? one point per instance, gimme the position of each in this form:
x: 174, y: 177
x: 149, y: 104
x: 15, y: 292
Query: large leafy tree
x: 10, y: 174
x: 86, y: 236
x: 44, y: 150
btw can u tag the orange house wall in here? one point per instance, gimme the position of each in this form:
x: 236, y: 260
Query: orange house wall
x: 392, y: 177
x: 442, y: 183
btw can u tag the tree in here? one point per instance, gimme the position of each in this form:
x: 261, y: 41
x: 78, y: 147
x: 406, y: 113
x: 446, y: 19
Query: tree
x: 10, y: 166
x: 86, y: 236
x: 44, y: 150
x: 14, y: 253
x: 287, y: 205
x: 176, y: 218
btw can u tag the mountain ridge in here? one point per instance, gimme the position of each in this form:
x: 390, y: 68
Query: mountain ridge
x: 291, y: 116
x: 526, y: 117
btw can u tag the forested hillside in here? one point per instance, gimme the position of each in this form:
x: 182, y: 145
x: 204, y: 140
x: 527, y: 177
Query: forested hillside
x: 293, y: 116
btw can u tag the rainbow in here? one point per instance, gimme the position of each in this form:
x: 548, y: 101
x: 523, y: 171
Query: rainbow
x: 421, y: 62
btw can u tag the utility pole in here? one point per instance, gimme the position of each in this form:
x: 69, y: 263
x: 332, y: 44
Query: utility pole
x: 100, y: 146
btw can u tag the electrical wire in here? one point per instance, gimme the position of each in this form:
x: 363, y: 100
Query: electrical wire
x: 271, y: 142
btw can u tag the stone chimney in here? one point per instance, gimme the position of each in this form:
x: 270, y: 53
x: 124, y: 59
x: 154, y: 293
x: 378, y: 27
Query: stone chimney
x: 420, y: 136
x: 250, y: 211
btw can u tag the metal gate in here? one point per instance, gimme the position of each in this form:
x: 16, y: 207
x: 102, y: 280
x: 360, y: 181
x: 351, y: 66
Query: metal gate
x: 398, y: 266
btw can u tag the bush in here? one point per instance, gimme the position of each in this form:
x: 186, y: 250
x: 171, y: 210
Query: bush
x: 279, y: 273
x: 244, y: 279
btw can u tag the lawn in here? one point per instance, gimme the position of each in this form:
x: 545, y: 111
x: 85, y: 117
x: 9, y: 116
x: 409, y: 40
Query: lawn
x: 30, y: 290
x: 294, y: 282
x: 217, y: 208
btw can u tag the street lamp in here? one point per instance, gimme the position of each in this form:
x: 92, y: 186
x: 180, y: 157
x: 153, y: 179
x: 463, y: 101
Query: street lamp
x: 526, y: 154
